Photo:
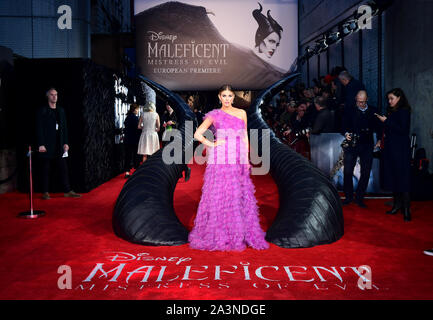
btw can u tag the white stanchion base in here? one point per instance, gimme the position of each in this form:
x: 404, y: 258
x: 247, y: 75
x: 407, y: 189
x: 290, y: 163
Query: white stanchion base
x: 31, y: 214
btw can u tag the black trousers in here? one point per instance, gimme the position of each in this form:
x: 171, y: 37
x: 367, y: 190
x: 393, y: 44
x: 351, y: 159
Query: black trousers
x: 132, y: 159
x: 62, y: 167
x: 365, y: 154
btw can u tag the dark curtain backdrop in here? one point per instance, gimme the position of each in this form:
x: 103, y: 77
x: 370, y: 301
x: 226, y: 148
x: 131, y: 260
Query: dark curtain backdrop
x: 86, y: 92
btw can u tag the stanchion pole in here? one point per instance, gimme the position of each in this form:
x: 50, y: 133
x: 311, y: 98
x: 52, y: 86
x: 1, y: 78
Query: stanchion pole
x: 32, y: 214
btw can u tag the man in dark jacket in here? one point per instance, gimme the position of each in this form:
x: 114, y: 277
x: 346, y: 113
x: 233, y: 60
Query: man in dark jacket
x: 324, y: 122
x: 52, y: 140
x: 358, y: 128
x: 351, y: 88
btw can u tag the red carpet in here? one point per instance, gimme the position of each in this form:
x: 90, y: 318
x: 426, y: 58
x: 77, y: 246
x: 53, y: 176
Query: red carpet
x: 77, y: 233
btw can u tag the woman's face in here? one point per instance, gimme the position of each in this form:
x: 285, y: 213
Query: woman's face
x: 226, y: 97
x: 393, y: 100
x: 169, y: 109
x: 190, y: 101
x: 269, y: 45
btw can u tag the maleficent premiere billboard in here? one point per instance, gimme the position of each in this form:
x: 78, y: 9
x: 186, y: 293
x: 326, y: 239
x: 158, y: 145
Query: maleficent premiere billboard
x: 202, y: 44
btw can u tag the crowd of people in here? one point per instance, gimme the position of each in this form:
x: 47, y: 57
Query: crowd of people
x: 297, y: 113
x: 338, y: 103
x: 146, y: 133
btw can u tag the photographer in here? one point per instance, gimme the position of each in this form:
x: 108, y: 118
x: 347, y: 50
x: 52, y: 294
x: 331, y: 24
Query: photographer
x: 297, y: 133
x: 359, y: 126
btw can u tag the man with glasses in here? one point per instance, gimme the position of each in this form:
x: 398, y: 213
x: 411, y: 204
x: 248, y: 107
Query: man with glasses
x: 358, y: 127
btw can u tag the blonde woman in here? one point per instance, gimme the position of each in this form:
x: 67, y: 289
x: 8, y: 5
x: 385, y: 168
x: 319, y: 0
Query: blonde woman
x: 149, y: 123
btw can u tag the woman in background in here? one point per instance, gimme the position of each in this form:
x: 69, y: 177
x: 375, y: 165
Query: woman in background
x: 395, y: 160
x: 169, y: 122
x: 149, y: 124
x: 131, y: 138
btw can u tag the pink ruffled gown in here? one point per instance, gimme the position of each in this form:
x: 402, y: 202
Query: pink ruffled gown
x: 227, y: 217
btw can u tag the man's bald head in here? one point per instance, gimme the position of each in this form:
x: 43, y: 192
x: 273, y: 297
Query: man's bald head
x: 362, y: 94
x: 361, y: 99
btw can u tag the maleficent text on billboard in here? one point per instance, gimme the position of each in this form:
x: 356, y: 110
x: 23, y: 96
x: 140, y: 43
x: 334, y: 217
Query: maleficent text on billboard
x: 203, y: 44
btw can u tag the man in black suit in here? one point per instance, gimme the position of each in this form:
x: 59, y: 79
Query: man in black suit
x: 363, y: 123
x: 324, y: 121
x: 52, y: 140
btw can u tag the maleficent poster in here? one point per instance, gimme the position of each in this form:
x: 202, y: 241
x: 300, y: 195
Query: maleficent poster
x: 201, y: 45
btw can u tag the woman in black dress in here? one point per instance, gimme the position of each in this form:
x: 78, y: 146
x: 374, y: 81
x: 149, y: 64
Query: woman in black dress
x: 131, y: 138
x: 395, y: 160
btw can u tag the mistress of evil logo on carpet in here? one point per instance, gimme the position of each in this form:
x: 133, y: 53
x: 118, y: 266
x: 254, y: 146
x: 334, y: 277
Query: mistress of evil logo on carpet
x: 140, y: 271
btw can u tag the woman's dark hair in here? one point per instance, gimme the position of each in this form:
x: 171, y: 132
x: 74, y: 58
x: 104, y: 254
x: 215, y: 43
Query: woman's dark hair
x: 402, y: 103
x: 267, y: 25
x: 132, y: 107
x: 226, y: 87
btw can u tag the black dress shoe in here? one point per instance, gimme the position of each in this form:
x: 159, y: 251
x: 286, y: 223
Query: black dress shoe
x: 187, y: 174
x: 347, y: 201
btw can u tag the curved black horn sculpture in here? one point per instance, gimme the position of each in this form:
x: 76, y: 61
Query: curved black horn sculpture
x: 144, y: 212
x: 310, y: 210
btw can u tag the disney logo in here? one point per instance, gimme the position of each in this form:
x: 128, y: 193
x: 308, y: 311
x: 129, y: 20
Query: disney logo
x: 143, y: 256
x: 157, y: 36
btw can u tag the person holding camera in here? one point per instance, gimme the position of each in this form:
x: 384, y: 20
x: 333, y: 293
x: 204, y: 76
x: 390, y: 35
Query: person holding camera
x: 359, y: 126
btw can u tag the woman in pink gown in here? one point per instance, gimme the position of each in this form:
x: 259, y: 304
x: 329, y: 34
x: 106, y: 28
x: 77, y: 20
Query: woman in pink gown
x: 227, y: 217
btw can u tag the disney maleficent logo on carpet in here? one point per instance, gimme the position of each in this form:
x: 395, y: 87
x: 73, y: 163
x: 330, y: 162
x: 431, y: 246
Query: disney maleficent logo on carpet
x: 201, y: 44
x: 140, y: 271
